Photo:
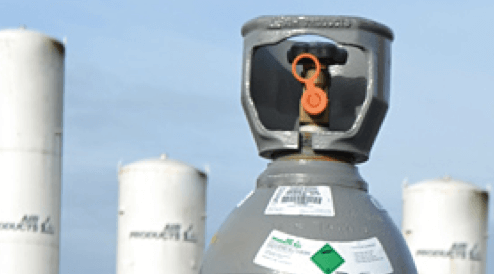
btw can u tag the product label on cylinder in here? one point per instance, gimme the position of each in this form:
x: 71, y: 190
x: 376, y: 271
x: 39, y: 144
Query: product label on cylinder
x: 291, y: 254
x: 301, y: 200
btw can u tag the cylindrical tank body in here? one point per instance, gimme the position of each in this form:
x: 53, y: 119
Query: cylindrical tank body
x: 445, y: 226
x: 298, y: 211
x: 31, y: 108
x: 161, y: 217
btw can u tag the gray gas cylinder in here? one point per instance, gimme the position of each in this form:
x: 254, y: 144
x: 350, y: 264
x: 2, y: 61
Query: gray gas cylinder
x: 311, y: 211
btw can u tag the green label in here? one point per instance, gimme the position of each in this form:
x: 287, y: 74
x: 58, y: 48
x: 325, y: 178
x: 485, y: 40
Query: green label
x: 288, y: 241
x: 327, y: 259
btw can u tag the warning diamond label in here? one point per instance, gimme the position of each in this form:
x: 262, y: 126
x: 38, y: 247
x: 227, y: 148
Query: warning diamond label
x: 327, y: 259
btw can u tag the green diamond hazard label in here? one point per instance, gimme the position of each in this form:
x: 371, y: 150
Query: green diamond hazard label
x: 327, y: 259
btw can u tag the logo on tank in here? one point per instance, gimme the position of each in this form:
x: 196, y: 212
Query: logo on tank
x: 458, y: 250
x: 30, y: 223
x: 171, y: 231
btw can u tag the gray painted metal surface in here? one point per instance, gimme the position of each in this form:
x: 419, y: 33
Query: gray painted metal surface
x: 357, y: 217
x: 363, y: 82
x: 310, y: 201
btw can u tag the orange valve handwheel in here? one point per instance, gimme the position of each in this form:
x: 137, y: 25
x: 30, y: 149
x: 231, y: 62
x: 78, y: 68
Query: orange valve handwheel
x: 314, y: 100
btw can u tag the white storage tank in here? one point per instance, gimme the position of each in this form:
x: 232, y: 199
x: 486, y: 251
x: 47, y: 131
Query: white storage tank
x: 161, y: 218
x: 31, y: 107
x: 445, y: 226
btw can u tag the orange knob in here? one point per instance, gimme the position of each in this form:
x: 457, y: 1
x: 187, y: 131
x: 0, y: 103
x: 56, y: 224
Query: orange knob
x: 314, y: 100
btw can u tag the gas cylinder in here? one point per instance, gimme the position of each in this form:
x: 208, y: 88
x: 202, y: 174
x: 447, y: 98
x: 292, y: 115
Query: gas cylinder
x: 314, y: 109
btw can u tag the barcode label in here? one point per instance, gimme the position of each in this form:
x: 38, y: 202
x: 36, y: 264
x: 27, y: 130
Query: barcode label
x: 301, y: 200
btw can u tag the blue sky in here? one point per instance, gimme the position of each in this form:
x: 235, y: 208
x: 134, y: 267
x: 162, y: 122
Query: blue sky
x: 161, y: 76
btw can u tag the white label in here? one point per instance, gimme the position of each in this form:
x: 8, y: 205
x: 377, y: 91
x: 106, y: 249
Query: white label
x: 301, y: 200
x: 291, y: 254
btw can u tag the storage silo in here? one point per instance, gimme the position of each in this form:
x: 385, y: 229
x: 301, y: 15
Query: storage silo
x: 31, y: 108
x: 445, y: 226
x: 161, y: 217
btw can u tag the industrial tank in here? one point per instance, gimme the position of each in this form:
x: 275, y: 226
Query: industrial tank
x: 445, y: 226
x: 161, y: 217
x: 31, y: 108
